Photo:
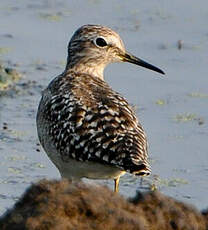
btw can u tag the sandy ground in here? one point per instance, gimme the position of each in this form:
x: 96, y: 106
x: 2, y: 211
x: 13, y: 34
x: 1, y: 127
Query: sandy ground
x: 172, y: 35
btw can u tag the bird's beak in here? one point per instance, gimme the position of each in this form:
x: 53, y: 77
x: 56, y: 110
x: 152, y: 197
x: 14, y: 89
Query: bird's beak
x: 127, y: 57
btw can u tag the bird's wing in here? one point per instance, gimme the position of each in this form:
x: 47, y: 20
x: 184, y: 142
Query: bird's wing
x: 95, y: 123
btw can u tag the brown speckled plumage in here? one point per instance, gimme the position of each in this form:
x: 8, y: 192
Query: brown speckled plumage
x: 81, y: 119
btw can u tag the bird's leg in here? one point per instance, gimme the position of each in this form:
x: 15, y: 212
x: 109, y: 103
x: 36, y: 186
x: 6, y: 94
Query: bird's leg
x: 116, y: 184
x: 141, y: 181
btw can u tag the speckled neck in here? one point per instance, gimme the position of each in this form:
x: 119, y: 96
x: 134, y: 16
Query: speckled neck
x: 94, y: 70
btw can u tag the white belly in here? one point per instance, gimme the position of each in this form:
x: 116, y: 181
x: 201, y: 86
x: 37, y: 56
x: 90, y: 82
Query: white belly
x: 77, y: 169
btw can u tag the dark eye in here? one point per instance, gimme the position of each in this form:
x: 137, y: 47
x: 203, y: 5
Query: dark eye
x: 100, y: 42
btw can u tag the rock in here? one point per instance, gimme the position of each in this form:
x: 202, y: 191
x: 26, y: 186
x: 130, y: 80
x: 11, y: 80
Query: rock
x: 65, y: 205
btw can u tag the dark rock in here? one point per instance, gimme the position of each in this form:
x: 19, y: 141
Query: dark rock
x: 64, y: 205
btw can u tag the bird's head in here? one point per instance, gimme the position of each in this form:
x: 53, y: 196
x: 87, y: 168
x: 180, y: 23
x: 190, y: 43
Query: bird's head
x: 95, y: 46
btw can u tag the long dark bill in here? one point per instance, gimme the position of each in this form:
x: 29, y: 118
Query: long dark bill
x: 132, y: 59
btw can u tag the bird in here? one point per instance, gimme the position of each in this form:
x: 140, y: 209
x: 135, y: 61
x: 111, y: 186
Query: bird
x: 87, y: 129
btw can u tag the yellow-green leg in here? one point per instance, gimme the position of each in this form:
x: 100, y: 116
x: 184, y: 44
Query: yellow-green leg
x: 116, y: 184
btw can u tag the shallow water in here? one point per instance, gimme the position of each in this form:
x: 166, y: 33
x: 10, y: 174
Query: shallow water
x: 173, y: 109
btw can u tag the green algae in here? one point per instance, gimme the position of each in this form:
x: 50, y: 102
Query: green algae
x: 52, y: 17
x: 8, y: 76
x: 188, y: 117
x: 160, y: 102
x: 4, y: 50
x: 185, y: 117
x: 168, y: 182
x: 198, y: 95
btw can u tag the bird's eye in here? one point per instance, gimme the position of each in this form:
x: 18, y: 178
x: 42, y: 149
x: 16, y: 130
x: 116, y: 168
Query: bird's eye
x: 100, y: 42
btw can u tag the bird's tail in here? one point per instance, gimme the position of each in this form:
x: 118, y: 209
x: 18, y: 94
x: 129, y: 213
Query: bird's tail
x: 142, y: 169
x: 145, y: 171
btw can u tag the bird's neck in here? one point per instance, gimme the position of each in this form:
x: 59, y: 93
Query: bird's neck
x: 85, y: 68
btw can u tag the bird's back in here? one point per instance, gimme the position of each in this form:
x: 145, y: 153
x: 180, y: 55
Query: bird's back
x: 84, y: 119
